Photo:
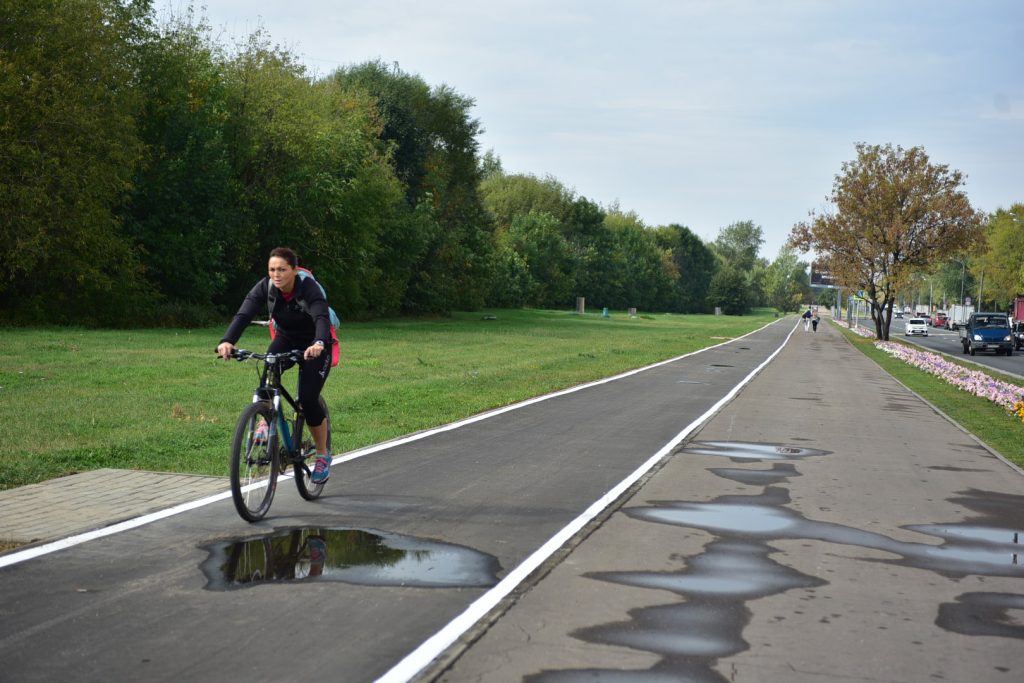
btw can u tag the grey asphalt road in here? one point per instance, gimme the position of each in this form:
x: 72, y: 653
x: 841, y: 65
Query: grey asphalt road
x: 826, y: 525
x: 947, y: 341
x: 203, y: 596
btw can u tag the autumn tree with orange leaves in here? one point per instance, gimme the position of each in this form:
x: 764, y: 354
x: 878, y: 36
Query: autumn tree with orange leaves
x: 893, y: 213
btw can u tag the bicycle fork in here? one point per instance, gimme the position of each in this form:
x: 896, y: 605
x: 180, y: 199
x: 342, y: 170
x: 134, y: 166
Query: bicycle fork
x: 278, y: 425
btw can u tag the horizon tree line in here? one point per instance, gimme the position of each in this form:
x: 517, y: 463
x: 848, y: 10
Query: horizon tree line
x: 146, y: 170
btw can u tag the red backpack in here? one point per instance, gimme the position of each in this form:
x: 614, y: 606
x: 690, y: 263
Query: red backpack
x: 335, y: 320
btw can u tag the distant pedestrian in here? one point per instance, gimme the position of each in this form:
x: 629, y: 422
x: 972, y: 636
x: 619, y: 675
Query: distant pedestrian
x: 814, y: 321
x: 807, y: 320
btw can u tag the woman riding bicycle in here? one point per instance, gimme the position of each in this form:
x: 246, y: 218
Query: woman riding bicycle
x: 302, y: 321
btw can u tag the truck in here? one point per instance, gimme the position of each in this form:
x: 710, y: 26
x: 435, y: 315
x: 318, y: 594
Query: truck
x: 1017, y: 307
x: 987, y: 332
x: 957, y: 316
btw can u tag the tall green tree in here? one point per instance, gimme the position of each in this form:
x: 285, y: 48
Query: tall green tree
x: 537, y: 239
x: 68, y: 149
x: 646, y: 283
x: 728, y: 291
x: 693, y: 266
x: 787, y: 284
x: 1003, y: 258
x: 597, y: 268
x: 311, y: 173
x: 739, y: 245
x: 507, y: 196
x: 181, y: 211
x: 434, y: 149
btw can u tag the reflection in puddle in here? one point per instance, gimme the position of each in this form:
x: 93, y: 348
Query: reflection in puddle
x: 966, y: 549
x: 349, y: 555
x: 736, y: 567
x: 780, y: 471
x: 749, y: 451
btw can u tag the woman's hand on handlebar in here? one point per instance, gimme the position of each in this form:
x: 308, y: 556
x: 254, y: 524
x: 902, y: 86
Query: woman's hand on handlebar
x: 225, y: 349
x: 313, y: 351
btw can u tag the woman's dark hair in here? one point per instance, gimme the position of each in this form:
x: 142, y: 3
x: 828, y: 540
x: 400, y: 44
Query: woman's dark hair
x: 287, y: 254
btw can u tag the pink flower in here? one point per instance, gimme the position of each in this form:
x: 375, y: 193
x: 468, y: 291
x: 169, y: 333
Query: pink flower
x: 973, y: 381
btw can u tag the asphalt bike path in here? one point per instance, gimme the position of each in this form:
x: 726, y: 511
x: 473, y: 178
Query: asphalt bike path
x: 358, y: 585
x: 826, y: 525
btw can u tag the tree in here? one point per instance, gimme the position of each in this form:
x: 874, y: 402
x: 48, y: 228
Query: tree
x: 693, y: 265
x: 1003, y: 260
x: 645, y: 282
x: 68, y: 149
x: 311, y: 173
x: 728, y: 291
x: 596, y: 263
x: 895, y: 213
x: 739, y: 245
x: 537, y: 239
x: 786, y: 282
x: 184, y: 200
x: 490, y: 165
x: 434, y: 150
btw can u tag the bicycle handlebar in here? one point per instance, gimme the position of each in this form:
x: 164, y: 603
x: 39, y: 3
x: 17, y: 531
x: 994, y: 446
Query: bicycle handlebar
x: 243, y: 354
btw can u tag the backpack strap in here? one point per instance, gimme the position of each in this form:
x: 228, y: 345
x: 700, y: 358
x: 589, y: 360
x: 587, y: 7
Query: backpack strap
x: 271, y: 299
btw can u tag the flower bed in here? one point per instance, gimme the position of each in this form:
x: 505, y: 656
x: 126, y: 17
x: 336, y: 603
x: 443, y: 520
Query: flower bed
x: 862, y: 331
x: 1009, y: 396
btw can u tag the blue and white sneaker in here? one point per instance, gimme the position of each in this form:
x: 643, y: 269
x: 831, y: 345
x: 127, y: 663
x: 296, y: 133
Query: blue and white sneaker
x: 322, y: 470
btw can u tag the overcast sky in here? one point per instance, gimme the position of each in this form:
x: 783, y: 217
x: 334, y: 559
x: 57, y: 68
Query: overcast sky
x: 697, y: 112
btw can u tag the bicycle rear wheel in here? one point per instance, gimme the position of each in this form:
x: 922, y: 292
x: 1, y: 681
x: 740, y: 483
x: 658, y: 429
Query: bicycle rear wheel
x: 254, y: 464
x: 307, y: 489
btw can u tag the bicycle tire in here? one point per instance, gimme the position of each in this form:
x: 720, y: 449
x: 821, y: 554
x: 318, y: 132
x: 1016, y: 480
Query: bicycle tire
x: 307, y: 489
x: 254, y: 464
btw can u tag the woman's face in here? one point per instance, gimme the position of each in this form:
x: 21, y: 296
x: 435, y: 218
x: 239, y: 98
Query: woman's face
x: 282, y: 275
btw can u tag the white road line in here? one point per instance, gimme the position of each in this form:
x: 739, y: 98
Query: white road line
x: 46, y: 549
x: 433, y: 647
x: 70, y: 541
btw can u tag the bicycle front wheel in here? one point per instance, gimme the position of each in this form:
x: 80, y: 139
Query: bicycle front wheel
x: 307, y: 489
x: 254, y: 464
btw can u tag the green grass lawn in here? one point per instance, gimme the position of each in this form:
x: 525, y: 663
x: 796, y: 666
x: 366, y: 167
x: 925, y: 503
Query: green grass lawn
x: 73, y: 400
x: 989, y: 422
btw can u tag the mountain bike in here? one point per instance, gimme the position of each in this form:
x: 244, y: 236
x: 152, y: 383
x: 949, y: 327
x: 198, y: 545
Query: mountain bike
x: 269, y: 437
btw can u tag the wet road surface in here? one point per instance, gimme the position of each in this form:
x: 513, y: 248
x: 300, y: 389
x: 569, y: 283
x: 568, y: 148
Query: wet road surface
x: 345, y: 587
x: 826, y: 525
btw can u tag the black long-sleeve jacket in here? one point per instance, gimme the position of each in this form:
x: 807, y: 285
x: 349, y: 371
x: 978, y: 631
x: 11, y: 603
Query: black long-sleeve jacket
x: 301, y: 326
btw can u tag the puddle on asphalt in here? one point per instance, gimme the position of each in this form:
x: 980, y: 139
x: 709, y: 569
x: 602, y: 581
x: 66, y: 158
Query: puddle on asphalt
x: 983, y: 614
x: 358, y: 556
x: 736, y: 567
x: 780, y: 471
x: 741, y: 450
x: 989, y: 550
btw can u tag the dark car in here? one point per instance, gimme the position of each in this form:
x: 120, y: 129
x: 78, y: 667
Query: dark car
x: 1018, y: 334
x: 987, y: 332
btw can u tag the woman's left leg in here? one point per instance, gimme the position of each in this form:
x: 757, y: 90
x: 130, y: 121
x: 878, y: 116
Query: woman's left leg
x: 312, y: 376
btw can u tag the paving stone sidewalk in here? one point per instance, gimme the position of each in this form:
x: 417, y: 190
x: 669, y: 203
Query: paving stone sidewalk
x: 90, y: 500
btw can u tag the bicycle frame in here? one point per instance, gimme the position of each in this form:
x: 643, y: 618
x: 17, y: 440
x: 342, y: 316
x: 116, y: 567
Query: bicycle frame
x: 271, y: 389
x: 284, y: 445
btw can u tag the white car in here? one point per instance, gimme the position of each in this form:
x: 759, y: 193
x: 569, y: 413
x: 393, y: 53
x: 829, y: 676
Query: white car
x: 916, y: 326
